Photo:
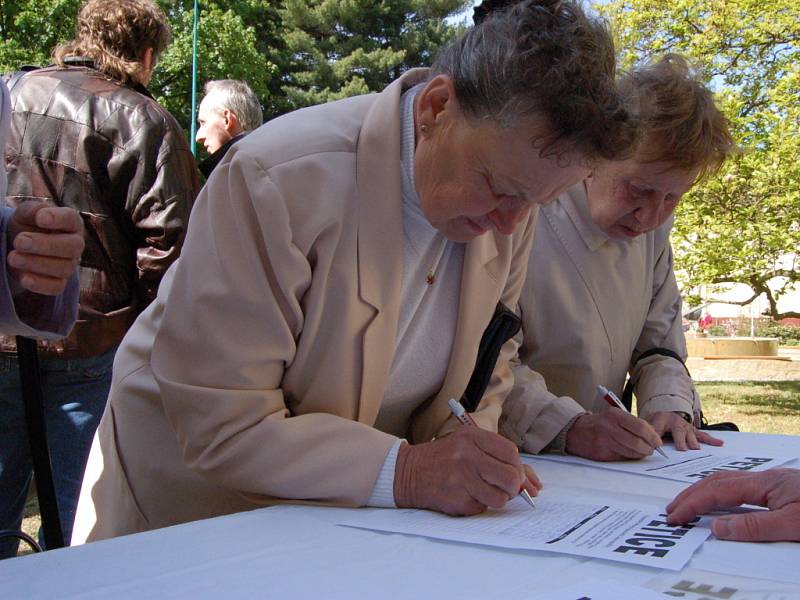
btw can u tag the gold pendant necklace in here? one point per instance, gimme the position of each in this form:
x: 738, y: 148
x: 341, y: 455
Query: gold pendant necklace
x: 430, y: 279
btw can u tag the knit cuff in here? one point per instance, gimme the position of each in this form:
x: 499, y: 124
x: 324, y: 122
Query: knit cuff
x: 559, y: 443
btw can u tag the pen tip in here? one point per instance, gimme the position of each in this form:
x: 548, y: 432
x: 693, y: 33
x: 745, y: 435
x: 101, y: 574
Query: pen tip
x: 527, y: 497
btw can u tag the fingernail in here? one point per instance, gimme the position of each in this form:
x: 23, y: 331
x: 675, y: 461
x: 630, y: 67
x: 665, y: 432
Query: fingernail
x: 15, y: 260
x: 27, y: 282
x: 45, y: 218
x: 23, y: 242
x: 722, y: 527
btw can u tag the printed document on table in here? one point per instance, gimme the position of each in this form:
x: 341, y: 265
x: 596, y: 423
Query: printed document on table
x: 564, y: 523
x: 704, y: 585
x: 599, y: 589
x: 687, y: 466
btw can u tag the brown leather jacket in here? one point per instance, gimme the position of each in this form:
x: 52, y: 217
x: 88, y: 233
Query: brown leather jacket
x: 81, y: 139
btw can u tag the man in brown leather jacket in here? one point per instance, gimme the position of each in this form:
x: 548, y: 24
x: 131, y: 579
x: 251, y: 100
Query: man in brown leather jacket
x: 85, y: 133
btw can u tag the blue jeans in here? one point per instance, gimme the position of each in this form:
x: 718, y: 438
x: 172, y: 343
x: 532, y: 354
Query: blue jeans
x: 75, y: 393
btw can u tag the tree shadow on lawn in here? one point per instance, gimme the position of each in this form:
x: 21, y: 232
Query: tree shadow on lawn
x: 776, y: 398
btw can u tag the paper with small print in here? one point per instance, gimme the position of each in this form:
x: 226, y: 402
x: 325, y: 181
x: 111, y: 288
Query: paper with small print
x: 599, y: 589
x: 687, y: 466
x: 619, y: 532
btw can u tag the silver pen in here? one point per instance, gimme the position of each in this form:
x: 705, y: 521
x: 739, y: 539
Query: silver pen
x: 612, y: 399
x: 466, y: 419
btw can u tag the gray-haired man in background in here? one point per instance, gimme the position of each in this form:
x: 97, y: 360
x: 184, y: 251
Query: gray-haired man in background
x: 228, y: 112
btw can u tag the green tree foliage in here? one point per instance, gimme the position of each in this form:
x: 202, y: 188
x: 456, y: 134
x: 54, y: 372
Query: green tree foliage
x: 293, y: 53
x: 30, y: 29
x: 339, y: 48
x: 743, y: 225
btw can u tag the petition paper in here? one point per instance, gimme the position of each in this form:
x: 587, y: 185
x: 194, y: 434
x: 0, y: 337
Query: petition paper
x: 619, y: 532
x: 687, y: 466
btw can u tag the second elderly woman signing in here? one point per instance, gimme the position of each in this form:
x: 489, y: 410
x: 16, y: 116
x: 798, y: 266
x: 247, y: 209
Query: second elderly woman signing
x: 340, y: 267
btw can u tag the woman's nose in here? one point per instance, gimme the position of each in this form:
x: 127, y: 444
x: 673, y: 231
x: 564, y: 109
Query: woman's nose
x: 651, y: 213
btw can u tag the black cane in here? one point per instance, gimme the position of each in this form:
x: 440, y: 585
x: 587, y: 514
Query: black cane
x: 28, y: 359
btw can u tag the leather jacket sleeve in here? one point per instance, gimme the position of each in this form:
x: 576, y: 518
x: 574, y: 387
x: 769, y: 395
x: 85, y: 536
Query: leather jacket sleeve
x: 159, y: 200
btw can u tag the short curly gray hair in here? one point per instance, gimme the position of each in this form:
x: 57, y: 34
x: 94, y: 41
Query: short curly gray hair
x: 548, y: 58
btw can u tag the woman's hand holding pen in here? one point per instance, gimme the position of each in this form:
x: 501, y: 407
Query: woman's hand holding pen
x: 611, y: 435
x: 461, y: 473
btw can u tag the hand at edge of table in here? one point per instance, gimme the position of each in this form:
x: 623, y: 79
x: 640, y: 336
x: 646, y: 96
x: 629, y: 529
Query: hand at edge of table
x: 462, y: 473
x: 776, y: 489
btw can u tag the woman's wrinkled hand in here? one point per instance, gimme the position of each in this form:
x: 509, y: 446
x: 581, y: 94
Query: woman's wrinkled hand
x: 611, y: 435
x: 462, y: 473
x: 684, y: 435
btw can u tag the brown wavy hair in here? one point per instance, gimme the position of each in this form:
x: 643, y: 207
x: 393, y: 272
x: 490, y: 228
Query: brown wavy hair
x: 115, y: 34
x: 679, y: 121
x: 547, y: 58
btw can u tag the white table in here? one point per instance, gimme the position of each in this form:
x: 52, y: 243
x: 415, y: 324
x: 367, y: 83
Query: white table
x: 299, y: 552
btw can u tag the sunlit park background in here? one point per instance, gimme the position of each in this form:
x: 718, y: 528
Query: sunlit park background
x: 737, y: 234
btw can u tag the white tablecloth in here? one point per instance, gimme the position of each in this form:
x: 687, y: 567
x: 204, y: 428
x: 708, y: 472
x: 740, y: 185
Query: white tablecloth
x: 299, y: 552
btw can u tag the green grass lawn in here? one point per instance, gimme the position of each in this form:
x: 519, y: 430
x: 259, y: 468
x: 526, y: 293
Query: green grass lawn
x: 756, y: 406
x: 759, y: 407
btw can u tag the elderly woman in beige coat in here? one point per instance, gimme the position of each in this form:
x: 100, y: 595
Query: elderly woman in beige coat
x: 340, y: 267
x: 601, y: 300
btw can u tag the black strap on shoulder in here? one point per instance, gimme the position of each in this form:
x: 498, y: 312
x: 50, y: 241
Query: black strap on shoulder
x: 627, y: 393
x: 28, y: 359
x: 503, y: 326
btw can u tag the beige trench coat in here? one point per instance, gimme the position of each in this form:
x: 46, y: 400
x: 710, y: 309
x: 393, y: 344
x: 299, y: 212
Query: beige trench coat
x: 590, y: 306
x: 257, y: 374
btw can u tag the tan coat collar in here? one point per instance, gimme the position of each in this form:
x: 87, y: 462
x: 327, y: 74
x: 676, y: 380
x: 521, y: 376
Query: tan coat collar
x: 380, y: 257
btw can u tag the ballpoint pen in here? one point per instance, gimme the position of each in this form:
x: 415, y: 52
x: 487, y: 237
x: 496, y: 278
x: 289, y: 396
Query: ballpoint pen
x: 466, y: 419
x: 612, y: 399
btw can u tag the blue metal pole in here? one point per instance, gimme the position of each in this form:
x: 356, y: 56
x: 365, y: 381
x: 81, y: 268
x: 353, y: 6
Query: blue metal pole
x: 193, y: 119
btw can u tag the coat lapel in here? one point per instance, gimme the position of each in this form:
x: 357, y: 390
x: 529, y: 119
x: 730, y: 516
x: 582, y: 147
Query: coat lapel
x: 483, y: 279
x: 380, y: 238
x: 380, y: 261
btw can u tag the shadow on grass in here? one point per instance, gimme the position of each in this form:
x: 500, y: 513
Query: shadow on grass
x: 775, y: 398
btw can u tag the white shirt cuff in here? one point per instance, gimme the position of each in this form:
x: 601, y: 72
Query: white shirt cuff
x: 382, y: 495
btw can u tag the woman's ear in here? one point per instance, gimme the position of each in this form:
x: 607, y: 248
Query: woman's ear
x: 436, y: 98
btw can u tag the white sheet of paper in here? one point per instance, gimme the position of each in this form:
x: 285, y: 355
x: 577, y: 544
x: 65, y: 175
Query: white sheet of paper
x: 704, y: 585
x: 598, y: 589
x: 775, y: 561
x: 687, y: 466
x: 560, y: 523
